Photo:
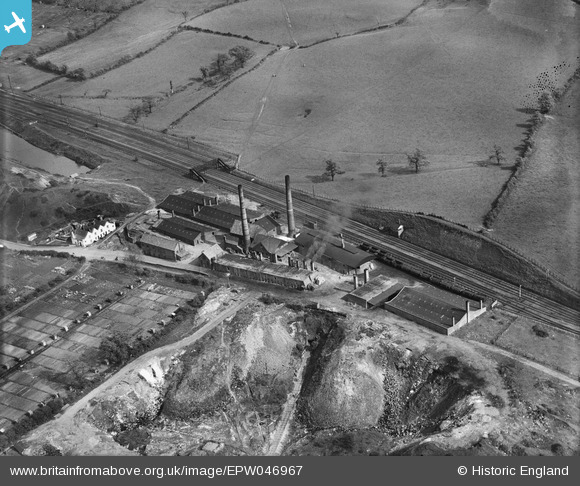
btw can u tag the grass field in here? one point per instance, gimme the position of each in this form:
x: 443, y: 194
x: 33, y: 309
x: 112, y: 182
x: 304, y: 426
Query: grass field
x: 178, y: 60
x: 452, y: 81
x: 542, y: 214
x: 136, y: 30
x: 521, y: 336
x: 303, y: 22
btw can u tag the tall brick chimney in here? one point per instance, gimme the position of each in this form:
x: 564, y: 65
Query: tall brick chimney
x: 244, y: 216
x: 290, y: 209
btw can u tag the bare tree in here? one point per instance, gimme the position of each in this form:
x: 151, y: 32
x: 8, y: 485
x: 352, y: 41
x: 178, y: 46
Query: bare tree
x: 417, y: 160
x: 382, y: 165
x: 498, y: 155
x: 185, y: 13
x: 332, y: 169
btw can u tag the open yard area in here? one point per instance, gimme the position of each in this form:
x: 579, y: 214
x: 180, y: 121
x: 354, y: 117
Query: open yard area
x: 452, y: 81
x: 542, y: 214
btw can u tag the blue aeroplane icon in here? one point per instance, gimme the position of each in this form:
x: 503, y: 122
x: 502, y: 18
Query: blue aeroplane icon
x: 17, y: 23
x: 16, y: 16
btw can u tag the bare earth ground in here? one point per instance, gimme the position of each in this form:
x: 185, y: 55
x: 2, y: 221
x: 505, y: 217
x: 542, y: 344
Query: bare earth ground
x: 531, y: 410
x: 452, y: 81
x: 542, y: 214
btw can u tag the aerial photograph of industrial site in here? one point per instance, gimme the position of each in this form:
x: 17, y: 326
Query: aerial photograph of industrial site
x: 290, y: 228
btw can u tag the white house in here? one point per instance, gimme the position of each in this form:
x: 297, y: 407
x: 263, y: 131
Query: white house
x: 82, y: 238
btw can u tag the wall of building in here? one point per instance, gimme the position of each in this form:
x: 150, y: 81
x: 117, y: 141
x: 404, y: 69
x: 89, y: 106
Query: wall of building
x: 283, y: 281
x: 157, y: 252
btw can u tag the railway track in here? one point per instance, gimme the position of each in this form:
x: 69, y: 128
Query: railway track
x: 150, y: 145
x: 172, y: 153
x: 433, y: 266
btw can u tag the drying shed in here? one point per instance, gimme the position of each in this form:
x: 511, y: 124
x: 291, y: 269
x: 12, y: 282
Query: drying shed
x: 434, y: 308
x: 263, y: 271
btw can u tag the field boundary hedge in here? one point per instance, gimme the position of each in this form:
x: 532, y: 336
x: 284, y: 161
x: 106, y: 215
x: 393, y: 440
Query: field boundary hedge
x: 524, y: 158
x: 174, y: 123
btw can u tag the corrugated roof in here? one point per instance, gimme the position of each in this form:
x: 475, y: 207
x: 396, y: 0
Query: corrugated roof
x: 350, y: 255
x: 159, y: 242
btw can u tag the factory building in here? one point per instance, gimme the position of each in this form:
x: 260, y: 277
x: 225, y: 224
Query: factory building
x: 185, y: 230
x: 333, y: 252
x: 434, y: 308
x: 159, y: 247
x: 264, y: 271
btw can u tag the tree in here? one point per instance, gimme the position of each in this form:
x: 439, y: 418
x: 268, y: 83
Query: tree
x: 332, y: 169
x: 382, y: 165
x: 204, y: 72
x: 498, y: 155
x: 185, y: 13
x: 546, y: 102
x: 417, y: 160
x: 220, y: 64
x: 241, y: 54
x: 115, y: 349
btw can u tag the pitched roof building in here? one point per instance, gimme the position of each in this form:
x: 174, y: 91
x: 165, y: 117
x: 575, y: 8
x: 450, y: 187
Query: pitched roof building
x: 181, y: 229
x: 333, y: 252
x: 160, y: 247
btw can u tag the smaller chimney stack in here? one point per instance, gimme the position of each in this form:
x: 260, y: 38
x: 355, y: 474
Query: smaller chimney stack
x: 467, y: 310
x: 290, y: 209
x: 355, y: 280
x: 244, y: 216
x: 342, y: 241
x: 312, y: 265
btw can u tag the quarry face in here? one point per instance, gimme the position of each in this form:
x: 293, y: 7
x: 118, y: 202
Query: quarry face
x: 288, y: 378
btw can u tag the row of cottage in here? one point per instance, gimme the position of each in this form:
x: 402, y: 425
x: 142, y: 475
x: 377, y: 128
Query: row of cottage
x: 85, y: 235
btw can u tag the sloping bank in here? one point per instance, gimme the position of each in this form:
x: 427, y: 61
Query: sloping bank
x: 45, y: 141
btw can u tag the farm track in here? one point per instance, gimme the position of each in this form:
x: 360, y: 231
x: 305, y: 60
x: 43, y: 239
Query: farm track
x: 171, y: 152
x: 433, y: 266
